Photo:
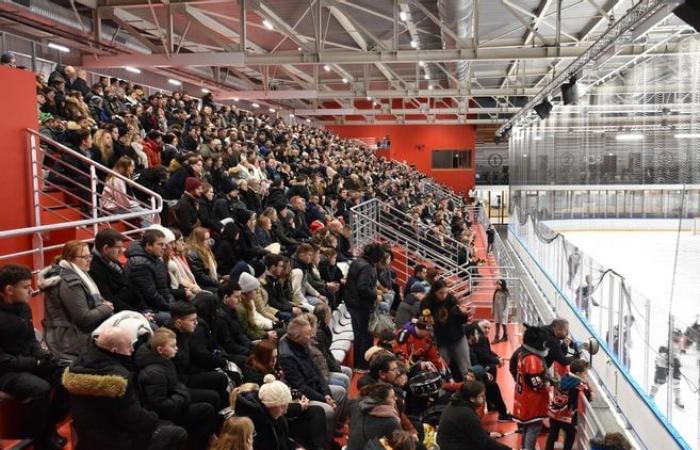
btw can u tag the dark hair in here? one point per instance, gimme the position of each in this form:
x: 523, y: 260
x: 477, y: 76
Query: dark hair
x: 206, y: 304
x: 578, y: 365
x: 401, y: 440
x: 260, y: 357
x: 169, y: 138
x: 469, y: 390
x: 272, y: 260
x: 227, y: 289
x: 151, y: 236
x: 76, y: 137
x: 381, y: 364
x: 12, y: 274
x: 373, y: 253
x: 322, y: 311
x: 181, y: 309
x: 108, y: 237
x: 558, y: 323
x: 377, y: 391
x: 418, y: 268
x: 437, y: 285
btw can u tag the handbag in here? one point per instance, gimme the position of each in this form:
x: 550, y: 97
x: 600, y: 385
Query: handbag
x: 379, y: 322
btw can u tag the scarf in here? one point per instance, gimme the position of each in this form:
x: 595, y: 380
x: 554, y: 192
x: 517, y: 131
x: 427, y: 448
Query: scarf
x: 85, y: 279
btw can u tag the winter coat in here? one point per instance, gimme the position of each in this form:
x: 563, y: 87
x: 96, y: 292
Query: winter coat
x: 19, y: 349
x: 226, y: 254
x: 114, y: 285
x: 149, y: 276
x: 161, y: 390
x: 451, y: 329
x: 204, y: 351
x: 481, y: 353
x: 230, y: 333
x: 407, y: 310
x: 276, y: 198
x: 226, y: 207
x: 205, y: 213
x: 369, y: 420
x: 270, y: 434
x: 557, y: 350
x: 262, y: 304
x: 361, y: 285
x: 249, y: 246
x: 71, y: 312
x: 324, y: 339
x: 460, y: 429
x: 105, y: 406
x: 201, y: 273
x: 185, y: 214
x: 276, y: 294
x: 175, y: 186
x: 300, y: 371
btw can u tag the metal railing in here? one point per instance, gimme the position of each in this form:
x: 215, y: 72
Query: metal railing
x: 65, y: 196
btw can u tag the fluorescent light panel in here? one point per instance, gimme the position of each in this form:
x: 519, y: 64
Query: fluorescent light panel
x: 175, y: 82
x: 60, y: 48
x: 630, y: 137
x: 267, y: 24
x: 132, y: 69
x: 687, y: 136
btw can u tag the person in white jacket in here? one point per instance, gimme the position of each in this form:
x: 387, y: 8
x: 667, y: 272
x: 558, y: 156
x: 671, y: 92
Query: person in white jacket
x: 249, y: 284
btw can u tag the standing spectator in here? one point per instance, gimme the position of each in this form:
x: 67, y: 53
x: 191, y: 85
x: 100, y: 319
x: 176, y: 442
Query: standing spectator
x: 108, y: 415
x: 531, y: 402
x: 490, y: 238
x: 500, y: 310
x: 373, y: 416
x: 74, y: 305
x: 109, y: 275
x: 563, y: 411
x: 165, y: 394
x: 361, y: 298
x: 27, y: 371
x: 449, y: 318
x: 238, y: 433
x: 460, y: 426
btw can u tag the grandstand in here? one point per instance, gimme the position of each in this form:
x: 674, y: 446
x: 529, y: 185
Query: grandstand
x: 280, y: 224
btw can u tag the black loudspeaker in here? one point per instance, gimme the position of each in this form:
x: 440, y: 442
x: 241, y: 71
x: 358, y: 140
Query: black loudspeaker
x: 569, y: 92
x: 543, y: 109
x: 689, y: 12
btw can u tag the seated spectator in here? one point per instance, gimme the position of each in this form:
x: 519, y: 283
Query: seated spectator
x: 238, y: 433
x: 201, y: 259
x: 611, y: 441
x: 205, y: 385
x: 305, y: 296
x: 410, y: 306
x: 460, y: 426
x: 397, y: 440
x: 109, y: 275
x: 181, y: 276
x: 117, y: 199
x: 205, y: 211
x: 227, y: 202
x: 184, y: 213
x: 277, y: 296
x: 419, y: 273
x: 415, y: 344
x: 165, y: 394
x: 262, y: 361
x: 73, y: 303
x: 255, y: 324
x: 373, y: 416
x: 230, y: 332
x: 105, y: 404
x: 226, y: 249
x: 303, y: 375
x: 148, y: 273
x: 248, y: 244
x: 27, y: 371
x: 263, y: 231
x: 340, y: 375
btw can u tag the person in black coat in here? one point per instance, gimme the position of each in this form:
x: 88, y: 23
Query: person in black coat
x: 28, y: 372
x: 205, y: 385
x: 559, y: 342
x: 276, y: 198
x: 230, y: 333
x: 226, y: 249
x: 228, y: 201
x: 205, y: 210
x: 162, y: 392
x: 266, y: 407
x: 361, y: 298
x: 184, y: 215
x: 148, y: 274
x: 460, y: 427
x: 175, y: 186
x: 108, y: 274
x: 105, y: 405
x: 277, y: 296
x: 248, y: 245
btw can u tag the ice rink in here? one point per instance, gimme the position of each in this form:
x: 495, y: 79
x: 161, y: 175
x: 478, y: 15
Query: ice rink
x: 646, y: 260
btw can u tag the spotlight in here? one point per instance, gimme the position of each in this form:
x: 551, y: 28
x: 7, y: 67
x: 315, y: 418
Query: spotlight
x: 272, y: 110
x: 327, y: 68
x: 403, y: 16
x: 255, y: 105
x: 544, y: 109
x: 205, y: 91
x: 345, y: 80
x: 421, y: 63
x: 629, y: 137
x: 267, y: 24
x: 569, y: 92
x: 414, y: 44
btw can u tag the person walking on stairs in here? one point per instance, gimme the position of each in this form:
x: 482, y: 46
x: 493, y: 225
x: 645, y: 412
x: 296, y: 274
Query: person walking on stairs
x: 500, y: 310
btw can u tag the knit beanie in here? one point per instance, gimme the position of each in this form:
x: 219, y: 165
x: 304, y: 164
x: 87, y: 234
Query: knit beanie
x: 169, y: 235
x: 274, y: 393
x: 192, y: 183
x: 248, y: 282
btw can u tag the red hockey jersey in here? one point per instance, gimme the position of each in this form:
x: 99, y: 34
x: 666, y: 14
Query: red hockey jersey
x: 531, y: 400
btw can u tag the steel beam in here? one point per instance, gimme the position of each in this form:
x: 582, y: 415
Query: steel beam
x: 397, y: 111
x: 416, y: 122
x: 376, y: 94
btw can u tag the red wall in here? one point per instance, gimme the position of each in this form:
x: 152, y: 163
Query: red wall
x: 414, y: 144
x: 18, y: 93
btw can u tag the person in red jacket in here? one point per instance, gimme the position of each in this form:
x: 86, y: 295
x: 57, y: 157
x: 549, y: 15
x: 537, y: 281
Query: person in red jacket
x: 565, y: 406
x: 152, y: 146
x: 531, y: 400
x: 414, y: 343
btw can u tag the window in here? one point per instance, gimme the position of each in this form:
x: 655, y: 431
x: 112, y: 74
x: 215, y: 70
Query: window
x: 452, y: 159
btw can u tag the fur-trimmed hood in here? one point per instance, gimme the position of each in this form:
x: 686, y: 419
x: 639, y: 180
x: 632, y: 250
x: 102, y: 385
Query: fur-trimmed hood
x: 49, y: 277
x: 94, y: 385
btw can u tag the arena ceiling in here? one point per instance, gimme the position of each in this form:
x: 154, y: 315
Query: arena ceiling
x: 350, y: 61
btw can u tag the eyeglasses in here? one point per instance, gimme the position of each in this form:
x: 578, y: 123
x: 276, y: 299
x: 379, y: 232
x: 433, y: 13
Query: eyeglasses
x: 85, y: 257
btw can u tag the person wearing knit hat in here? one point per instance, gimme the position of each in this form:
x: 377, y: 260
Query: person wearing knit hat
x: 248, y: 282
x: 184, y: 214
x: 192, y: 184
x: 274, y: 393
x: 316, y: 225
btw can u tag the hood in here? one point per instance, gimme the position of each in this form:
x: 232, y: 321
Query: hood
x: 145, y: 356
x: 97, y: 374
x: 49, y: 277
x: 374, y: 408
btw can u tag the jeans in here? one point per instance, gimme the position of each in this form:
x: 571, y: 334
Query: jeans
x: 363, y: 338
x: 336, y: 415
x: 530, y: 432
x: 458, y: 352
x: 569, y: 432
x: 341, y: 379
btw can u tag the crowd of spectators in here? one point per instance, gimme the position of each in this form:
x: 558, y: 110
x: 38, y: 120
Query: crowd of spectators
x: 214, y: 326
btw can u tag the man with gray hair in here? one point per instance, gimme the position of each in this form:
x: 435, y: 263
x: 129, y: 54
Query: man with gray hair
x: 105, y: 406
x: 304, y: 375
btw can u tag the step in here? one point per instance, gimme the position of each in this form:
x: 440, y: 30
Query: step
x: 60, y: 215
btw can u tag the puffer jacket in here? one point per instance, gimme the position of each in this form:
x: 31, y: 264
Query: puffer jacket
x: 161, y: 390
x: 19, y: 349
x: 201, y: 273
x: 71, y: 313
x: 361, y: 285
x: 149, y: 276
x: 270, y: 434
x: 370, y: 420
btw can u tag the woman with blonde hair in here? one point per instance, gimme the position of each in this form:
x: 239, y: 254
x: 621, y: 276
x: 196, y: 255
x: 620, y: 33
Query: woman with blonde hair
x: 237, y: 433
x: 201, y: 259
x: 73, y: 304
x: 179, y: 270
x: 117, y: 199
x: 103, y: 148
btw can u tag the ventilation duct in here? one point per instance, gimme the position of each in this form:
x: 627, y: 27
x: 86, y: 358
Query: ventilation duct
x: 457, y: 16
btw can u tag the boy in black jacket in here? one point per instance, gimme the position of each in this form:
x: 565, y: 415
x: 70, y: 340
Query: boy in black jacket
x: 163, y: 393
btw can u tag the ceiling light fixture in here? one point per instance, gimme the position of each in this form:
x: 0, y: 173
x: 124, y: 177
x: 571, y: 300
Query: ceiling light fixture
x: 687, y: 136
x: 327, y: 68
x: 291, y: 116
x: 132, y: 69
x: 255, y: 105
x: 629, y: 137
x: 272, y: 110
x: 235, y: 99
x: 426, y: 76
x: 174, y: 82
x: 421, y: 63
x: 414, y: 44
x: 205, y: 91
x: 60, y: 48
x: 345, y: 80
x: 267, y: 24
x: 403, y: 16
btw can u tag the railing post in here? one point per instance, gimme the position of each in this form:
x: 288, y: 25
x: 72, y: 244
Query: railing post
x: 93, y: 197
x: 646, y: 343
x: 34, y: 169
